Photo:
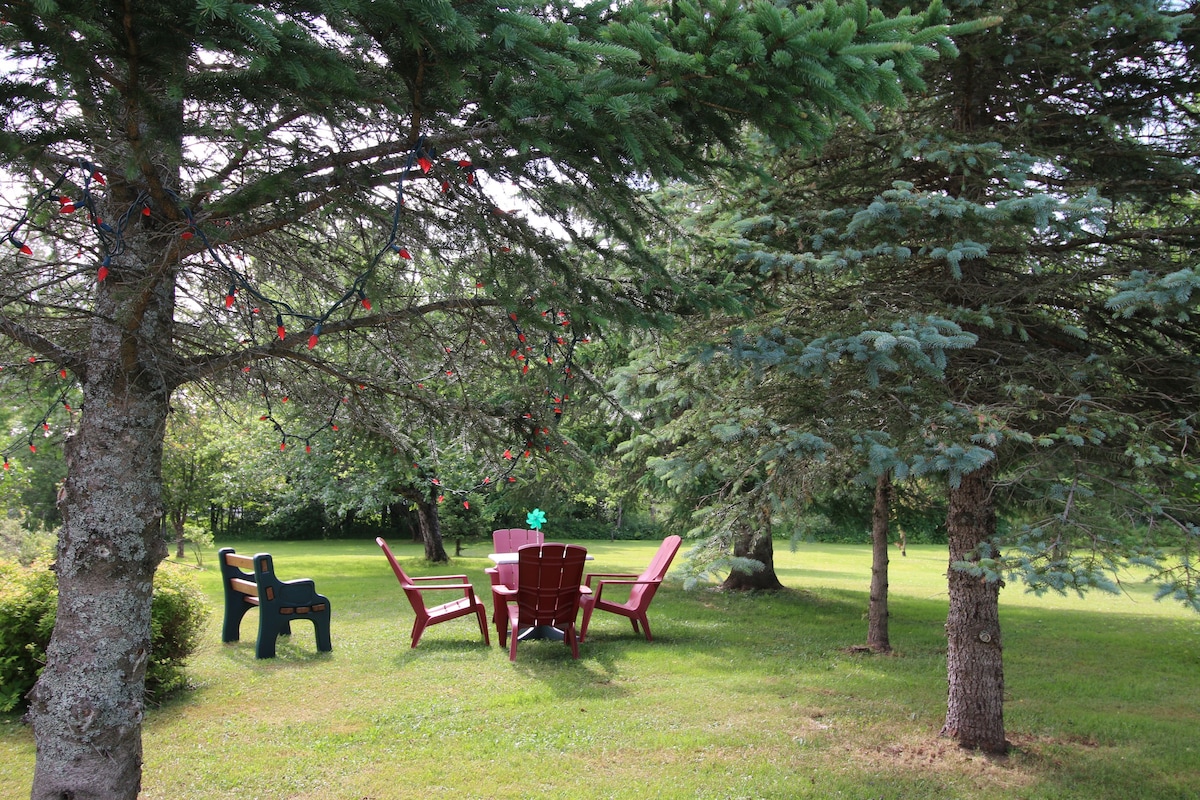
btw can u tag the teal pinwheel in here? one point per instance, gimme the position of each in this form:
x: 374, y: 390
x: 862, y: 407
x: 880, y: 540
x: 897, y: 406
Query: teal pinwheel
x: 536, y: 519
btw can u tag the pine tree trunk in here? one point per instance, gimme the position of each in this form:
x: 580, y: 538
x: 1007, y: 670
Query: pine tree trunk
x: 758, y: 545
x: 87, y: 706
x: 974, y: 664
x: 877, y: 610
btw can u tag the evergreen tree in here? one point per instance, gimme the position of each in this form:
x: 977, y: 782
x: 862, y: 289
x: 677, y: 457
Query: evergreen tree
x: 181, y: 154
x: 997, y: 287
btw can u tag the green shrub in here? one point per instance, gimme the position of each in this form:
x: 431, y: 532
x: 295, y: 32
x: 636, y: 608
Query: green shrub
x: 178, y: 615
x: 28, y: 595
x: 28, y: 600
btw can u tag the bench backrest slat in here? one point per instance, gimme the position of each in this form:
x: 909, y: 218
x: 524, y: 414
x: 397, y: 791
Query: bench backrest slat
x: 244, y: 586
x: 240, y: 561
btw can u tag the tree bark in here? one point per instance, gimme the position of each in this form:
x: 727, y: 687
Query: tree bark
x: 974, y: 664
x: 87, y: 706
x: 877, y: 610
x: 758, y: 545
x: 431, y: 529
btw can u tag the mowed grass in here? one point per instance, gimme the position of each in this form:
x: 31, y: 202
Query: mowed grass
x: 736, y: 697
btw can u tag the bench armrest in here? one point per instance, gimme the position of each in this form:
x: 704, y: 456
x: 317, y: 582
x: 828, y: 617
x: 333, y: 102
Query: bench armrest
x: 300, y: 591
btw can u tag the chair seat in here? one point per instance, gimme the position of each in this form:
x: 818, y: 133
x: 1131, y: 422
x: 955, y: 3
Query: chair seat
x: 455, y: 608
x: 616, y: 608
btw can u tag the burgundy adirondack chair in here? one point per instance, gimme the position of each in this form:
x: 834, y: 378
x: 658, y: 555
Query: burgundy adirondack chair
x: 508, y: 540
x: 547, y: 595
x: 641, y: 591
x: 469, y: 603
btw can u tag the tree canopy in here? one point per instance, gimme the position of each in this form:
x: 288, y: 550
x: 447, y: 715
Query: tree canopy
x: 324, y: 192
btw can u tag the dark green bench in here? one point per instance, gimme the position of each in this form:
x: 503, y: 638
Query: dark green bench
x: 250, y: 582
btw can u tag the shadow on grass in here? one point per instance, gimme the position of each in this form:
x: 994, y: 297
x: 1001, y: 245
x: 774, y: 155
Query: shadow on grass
x: 690, y: 630
x: 450, y: 649
x: 290, y: 651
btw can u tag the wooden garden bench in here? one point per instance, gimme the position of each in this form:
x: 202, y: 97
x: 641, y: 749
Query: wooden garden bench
x: 250, y: 582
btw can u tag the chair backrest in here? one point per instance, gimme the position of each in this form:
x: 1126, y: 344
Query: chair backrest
x: 507, y: 540
x: 410, y: 589
x: 641, y: 594
x: 548, y: 579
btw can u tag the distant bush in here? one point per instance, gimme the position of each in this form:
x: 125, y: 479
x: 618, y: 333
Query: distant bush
x: 28, y: 601
x: 23, y: 545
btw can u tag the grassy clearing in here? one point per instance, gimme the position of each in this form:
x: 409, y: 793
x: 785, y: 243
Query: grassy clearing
x: 737, y: 697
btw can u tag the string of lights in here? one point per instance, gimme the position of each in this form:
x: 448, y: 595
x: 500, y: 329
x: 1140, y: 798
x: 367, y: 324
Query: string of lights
x: 111, y: 241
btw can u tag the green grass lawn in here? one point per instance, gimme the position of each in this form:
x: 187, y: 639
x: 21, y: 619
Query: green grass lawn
x: 737, y: 696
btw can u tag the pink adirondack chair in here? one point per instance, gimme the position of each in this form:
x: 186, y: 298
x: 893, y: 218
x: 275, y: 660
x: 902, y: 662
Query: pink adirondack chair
x: 641, y: 592
x: 547, y: 596
x: 508, y: 540
x: 469, y: 603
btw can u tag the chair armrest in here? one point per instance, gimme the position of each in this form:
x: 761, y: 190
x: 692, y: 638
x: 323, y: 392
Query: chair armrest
x: 435, y: 587
x: 603, y: 583
x: 588, y: 578
x: 500, y: 590
x: 459, y: 578
x: 633, y: 582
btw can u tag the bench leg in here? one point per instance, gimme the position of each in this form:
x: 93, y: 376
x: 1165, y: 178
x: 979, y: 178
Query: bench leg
x: 270, y: 626
x: 234, y: 611
x: 265, y: 647
x: 321, y: 623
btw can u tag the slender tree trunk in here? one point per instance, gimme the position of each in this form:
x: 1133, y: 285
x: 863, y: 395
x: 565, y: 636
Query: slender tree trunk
x: 87, y: 706
x: 974, y: 664
x: 178, y: 518
x: 877, y: 611
x: 758, y: 545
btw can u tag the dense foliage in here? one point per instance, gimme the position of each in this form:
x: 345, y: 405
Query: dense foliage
x: 990, y: 297
x: 1003, y: 273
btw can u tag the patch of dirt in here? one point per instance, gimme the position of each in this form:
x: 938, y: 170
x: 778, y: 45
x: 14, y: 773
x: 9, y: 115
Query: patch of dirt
x: 944, y: 756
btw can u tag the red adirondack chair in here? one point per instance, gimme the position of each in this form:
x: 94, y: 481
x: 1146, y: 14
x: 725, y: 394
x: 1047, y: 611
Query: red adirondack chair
x: 508, y: 540
x: 547, y: 595
x: 467, y: 604
x: 641, y: 592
